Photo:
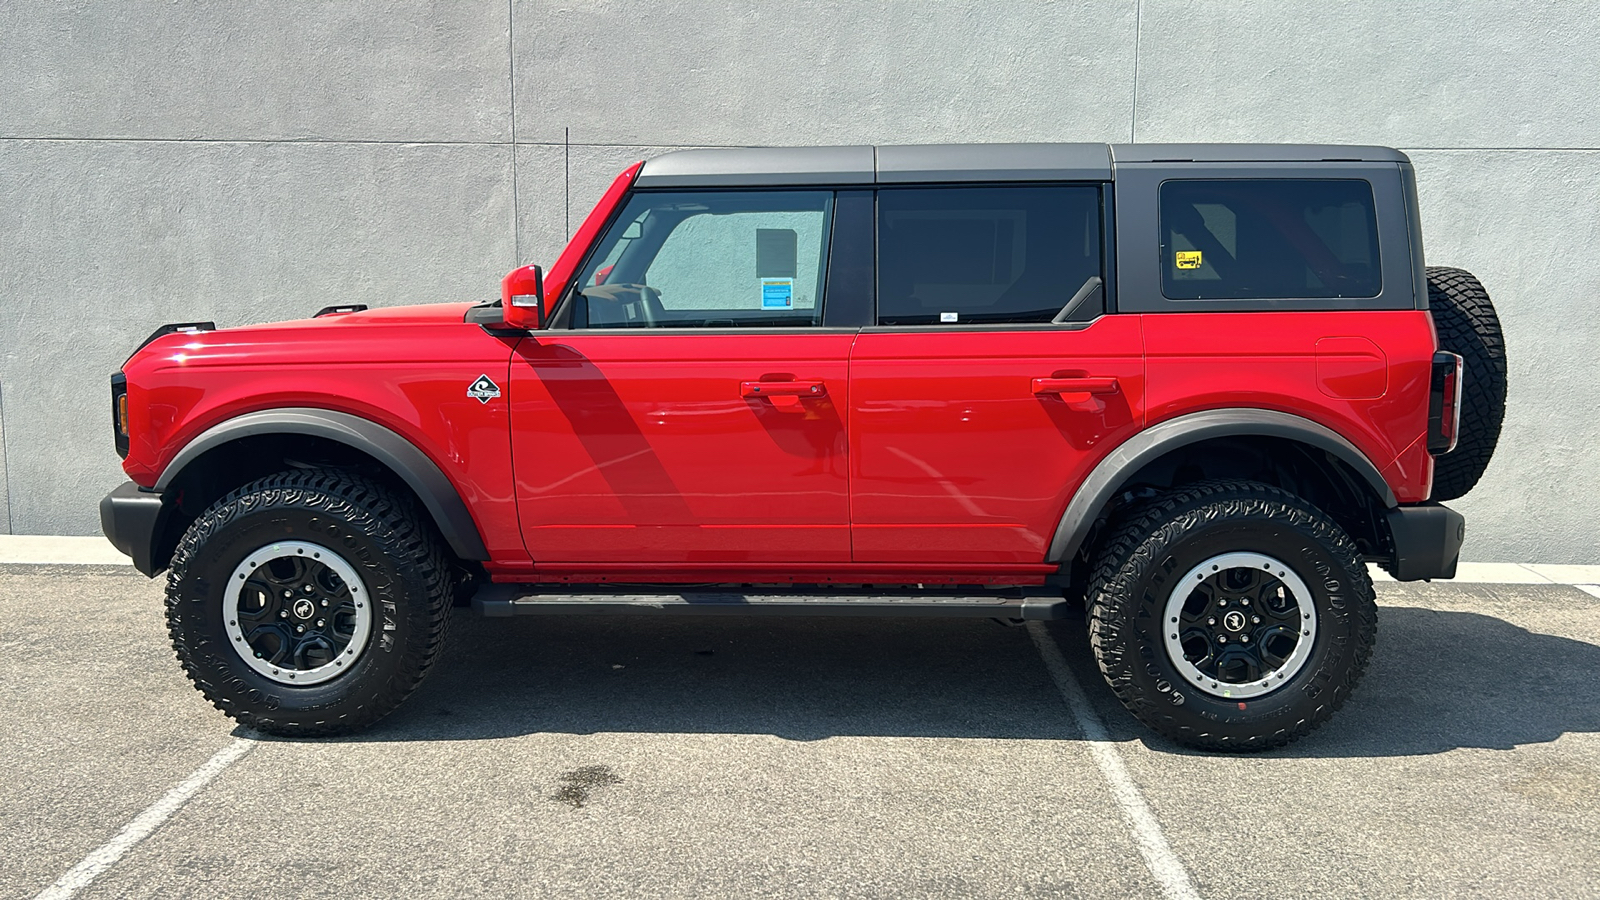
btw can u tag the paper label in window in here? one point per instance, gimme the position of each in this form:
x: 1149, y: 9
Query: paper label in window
x: 777, y: 293
x: 949, y: 317
x: 1188, y: 259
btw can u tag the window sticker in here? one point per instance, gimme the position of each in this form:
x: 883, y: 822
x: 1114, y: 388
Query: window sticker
x: 949, y: 317
x: 777, y: 293
x: 1188, y: 259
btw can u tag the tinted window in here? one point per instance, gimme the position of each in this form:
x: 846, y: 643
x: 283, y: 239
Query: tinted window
x: 711, y: 259
x: 984, y: 255
x: 1268, y: 238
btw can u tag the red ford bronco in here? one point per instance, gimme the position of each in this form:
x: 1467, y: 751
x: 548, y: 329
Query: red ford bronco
x: 1196, y: 387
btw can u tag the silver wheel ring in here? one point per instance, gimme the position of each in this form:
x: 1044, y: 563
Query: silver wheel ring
x: 1276, y: 678
x: 316, y: 553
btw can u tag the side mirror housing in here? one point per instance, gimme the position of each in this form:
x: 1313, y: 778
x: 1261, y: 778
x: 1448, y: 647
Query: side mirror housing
x: 522, y: 298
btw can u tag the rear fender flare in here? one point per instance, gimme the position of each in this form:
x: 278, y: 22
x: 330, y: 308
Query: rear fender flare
x: 411, y: 465
x: 1107, y: 478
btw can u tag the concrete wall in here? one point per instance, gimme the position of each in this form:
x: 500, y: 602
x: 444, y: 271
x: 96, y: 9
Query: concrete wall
x: 257, y: 160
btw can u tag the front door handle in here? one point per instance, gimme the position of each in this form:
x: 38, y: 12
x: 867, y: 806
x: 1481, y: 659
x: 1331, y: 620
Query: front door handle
x: 1075, y: 386
x: 783, y: 394
x: 783, y: 389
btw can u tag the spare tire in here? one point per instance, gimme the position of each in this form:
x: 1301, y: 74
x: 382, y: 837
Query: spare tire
x: 1467, y: 325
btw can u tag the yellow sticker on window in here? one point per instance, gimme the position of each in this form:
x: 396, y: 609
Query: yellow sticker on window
x: 1188, y: 259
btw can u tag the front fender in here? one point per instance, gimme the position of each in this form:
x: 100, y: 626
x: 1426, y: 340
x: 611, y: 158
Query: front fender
x: 400, y: 456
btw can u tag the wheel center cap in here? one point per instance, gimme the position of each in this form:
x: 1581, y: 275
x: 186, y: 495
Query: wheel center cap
x: 304, y: 609
x: 1233, y: 621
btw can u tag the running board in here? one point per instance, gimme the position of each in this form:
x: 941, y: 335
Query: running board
x: 497, y: 600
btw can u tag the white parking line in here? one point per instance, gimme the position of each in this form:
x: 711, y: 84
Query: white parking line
x: 143, y: 825
x: 1163, y: 864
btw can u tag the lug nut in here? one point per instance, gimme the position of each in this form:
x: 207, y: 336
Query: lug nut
x: 319, y: 623
x: 307, y: 588
x: 288, y: 593
x: 1221, y: 603
x: 1222, y: 639
x: 1255, y: 620
x: 324, y: 601
x: 1211, y: 621
x: 1245, y: 602
x: 283, y: 614
x: 299, y: 629
x: 1245, y: 638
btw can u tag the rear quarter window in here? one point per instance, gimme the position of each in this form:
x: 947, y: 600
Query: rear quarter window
x: 1247, y: 239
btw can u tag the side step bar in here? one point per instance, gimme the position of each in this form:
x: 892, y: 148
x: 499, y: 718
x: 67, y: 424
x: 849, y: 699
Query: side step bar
x: 499, y: 600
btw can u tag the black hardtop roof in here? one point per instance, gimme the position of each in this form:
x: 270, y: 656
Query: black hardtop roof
x: 925, y: 163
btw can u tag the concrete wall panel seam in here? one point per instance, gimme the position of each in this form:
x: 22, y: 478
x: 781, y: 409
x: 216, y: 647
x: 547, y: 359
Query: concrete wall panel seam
x: 5, y: 473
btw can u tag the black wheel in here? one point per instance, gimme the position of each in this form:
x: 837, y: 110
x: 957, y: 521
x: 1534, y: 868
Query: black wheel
x: 1467, y: 325
x: 308, y: 603
x: 1230, y: 615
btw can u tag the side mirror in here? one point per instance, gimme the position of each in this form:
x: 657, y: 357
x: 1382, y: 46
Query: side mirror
x: 522, y: 298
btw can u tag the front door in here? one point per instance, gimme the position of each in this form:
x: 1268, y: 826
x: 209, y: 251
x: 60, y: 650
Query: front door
x: 688, y: 405
x: 974, y: 415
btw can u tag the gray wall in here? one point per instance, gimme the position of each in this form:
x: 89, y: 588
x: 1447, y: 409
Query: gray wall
x: 258, y: 160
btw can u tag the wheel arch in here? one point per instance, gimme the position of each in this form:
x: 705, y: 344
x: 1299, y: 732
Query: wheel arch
x: 1120, y: 469
x: 359, y: 437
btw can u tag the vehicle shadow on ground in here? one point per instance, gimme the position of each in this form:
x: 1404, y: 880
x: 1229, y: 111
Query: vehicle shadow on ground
x: 800, y: 679
x: 1439, y: 680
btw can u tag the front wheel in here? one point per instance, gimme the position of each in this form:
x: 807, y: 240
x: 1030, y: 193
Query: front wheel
x: 308, y: 603
x: 1231, y: 616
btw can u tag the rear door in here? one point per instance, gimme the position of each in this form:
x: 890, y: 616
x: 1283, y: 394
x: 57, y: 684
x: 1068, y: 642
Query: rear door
x: 973, y: 416
x: 689, y: 405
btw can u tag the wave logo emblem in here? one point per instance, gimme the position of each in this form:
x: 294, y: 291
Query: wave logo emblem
x: 483, y: 390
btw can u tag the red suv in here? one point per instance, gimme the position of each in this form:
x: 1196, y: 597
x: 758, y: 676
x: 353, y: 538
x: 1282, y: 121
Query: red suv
x: 1197, y: 387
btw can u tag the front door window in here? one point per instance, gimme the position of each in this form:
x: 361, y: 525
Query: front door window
x: 709, y: 259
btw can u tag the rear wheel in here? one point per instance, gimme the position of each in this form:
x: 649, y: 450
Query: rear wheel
x: 1231, y: 615
x: 308, y: 603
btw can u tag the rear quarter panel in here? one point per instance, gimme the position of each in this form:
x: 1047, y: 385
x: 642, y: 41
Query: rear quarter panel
x: 1363, y: 374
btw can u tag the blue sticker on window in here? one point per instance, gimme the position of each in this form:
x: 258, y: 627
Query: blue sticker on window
x: 777, y: 293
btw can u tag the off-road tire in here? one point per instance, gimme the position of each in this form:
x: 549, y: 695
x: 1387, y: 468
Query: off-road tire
x: 1467, y: 325
x: 1158, y: 543
x: 378, y: 533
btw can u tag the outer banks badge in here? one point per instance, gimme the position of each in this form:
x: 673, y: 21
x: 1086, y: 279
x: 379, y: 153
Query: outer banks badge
x: 483, y: 390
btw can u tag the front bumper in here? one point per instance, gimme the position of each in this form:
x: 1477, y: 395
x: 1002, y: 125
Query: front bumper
x: 1427, y: 541
x: 133, y: 519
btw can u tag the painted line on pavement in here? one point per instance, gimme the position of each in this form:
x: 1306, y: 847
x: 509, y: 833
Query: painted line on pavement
x: 1164, y: 865
x: 79, y: 876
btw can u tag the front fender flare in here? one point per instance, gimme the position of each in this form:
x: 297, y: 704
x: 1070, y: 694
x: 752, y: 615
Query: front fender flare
x: 1108, y: 476
x: 421, y: 474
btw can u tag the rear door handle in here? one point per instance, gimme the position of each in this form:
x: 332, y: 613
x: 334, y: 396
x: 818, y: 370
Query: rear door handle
x: 1075, y: 386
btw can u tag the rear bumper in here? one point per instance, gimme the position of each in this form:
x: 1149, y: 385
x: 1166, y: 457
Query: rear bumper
x: 1427, y: 541
x: 132, y: 518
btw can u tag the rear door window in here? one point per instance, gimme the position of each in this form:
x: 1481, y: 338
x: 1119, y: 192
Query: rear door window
x: 1268, y: 238
x: 985, y: 255
x: 709, y: 259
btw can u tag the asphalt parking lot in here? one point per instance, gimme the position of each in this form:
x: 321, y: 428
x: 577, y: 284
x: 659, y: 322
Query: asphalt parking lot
x: 651, y: 757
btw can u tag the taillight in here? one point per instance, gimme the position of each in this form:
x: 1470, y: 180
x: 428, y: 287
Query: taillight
x: 1444, y: 403
x: 119, y: 413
